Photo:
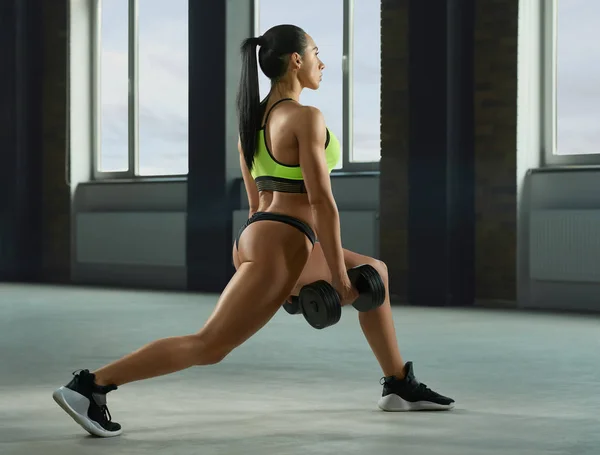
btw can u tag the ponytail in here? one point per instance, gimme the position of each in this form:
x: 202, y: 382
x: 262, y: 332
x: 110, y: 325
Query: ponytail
x: 248, y: 100
x: 276, y: 43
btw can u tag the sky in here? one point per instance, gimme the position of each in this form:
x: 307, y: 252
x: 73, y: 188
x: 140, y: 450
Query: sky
x: 163, y: 86
x: 163, y: 78
x: 578, y: 77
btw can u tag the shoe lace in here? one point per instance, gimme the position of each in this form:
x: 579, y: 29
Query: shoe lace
x: 103, y: 407
x: 423, y: 388
x: 418, y: 386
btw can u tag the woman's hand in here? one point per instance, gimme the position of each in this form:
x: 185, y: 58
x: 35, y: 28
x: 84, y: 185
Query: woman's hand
x: 348, y: 293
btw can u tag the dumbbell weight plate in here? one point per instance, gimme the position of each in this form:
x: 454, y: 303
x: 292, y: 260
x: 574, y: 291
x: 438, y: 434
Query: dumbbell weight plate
x: 320, y: 304
x: 378, y: 293
x: 370, y: 286
x: 378, y: 290
x: 294, y: 307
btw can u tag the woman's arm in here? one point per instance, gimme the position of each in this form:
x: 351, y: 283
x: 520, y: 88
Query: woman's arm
x: 311, y: 133
x: 249, y: 184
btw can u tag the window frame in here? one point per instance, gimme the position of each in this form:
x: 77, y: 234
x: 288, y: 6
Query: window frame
x: 133, y: 151
x: 549, y: 117
x: 348, y: 167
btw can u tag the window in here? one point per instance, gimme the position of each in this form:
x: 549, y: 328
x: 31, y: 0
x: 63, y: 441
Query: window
x: 366, y: 82
x: 114, y: 143
x: 349, y: 95
x: 142, y: 88
x: 326, y: 28
x: 163, y: 87
x: 572, y: 76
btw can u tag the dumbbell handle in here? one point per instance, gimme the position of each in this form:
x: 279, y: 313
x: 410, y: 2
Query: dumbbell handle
x: 296, y: 298
x: 293, y: 306
x: 337, y: 293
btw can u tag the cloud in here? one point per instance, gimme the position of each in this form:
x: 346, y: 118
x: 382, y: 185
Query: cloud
x: 163, y: 87
x: 578, y: 73
x: 323, y: 20
x: 163, y: 76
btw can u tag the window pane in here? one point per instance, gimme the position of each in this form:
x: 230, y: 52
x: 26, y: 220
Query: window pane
x: 163, y: 87
x: 578, y: 73
x: 114, y: 83
x: 323, y: 20
x: 366, y: 70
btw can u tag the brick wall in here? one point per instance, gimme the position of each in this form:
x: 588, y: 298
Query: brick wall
x: 496, y: 31
x: 495, y: 89
x: 394, y: 145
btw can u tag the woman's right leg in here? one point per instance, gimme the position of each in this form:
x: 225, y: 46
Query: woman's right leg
x: 269, y: 262
x: 255, y: 293
x: 244, y: 307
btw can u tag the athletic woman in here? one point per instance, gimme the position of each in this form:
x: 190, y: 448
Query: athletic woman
x: 286, y: 155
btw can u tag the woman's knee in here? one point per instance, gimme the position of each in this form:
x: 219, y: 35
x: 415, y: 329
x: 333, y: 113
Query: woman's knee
x: 209, y: 350
x: 381, y: 268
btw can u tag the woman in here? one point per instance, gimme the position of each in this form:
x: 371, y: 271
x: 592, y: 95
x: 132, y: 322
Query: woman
x: 286, y: 155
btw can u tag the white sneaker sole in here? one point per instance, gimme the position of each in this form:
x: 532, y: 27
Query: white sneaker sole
x: 76, y: 405
x: 393, y: 403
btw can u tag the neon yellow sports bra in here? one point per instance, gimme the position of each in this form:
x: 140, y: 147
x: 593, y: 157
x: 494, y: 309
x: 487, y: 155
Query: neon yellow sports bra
x: 271, y: 175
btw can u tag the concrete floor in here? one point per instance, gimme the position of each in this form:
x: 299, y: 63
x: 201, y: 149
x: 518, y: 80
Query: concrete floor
x: 524, y: 383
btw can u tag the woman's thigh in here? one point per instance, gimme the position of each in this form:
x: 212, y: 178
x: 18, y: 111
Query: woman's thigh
x: 316, y: 267
x: 270, y: 258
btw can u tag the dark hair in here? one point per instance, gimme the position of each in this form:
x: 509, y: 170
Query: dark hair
x: 277, y: 43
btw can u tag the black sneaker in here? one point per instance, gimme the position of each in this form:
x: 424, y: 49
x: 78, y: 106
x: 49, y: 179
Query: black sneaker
x: 409, y: 394
x: 85, y: 402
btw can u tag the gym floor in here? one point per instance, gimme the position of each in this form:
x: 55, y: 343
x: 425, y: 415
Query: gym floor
x: 524, y: 383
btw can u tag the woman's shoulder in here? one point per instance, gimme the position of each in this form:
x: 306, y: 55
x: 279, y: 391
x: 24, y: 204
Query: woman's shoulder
x: 308, y: 114
x: 308, y: 122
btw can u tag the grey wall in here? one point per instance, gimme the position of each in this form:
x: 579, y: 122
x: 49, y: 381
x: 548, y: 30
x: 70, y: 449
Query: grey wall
x: 133, y: 233
x: 138, y: 235
x: 529, y: 130
x: 130, y: 234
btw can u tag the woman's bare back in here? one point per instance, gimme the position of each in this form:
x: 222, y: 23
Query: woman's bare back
x: 280, y: 136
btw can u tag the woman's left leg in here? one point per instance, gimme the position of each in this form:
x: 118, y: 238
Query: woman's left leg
x: 377, y: 325
x: 401, y: 389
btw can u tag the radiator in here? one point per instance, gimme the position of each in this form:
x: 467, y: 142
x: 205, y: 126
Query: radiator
x: 360, y: 230
x: 565, y: 245
x: 132, y: 238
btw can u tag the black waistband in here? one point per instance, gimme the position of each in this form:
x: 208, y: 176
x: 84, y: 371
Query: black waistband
x: 279, y: 184
x: 287, y: 219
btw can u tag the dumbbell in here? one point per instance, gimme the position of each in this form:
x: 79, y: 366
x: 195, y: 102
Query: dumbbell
x: 294, y: 306
x: 320, y: 302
